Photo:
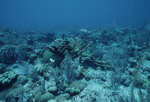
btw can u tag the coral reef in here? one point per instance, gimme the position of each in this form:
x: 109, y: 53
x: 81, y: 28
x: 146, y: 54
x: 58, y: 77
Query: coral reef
x: 86, y: 65
x: 10, y: 36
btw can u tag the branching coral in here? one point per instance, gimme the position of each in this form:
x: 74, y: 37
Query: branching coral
x: 73, y: 47
x: 91, y: 59
x: 61, y: 47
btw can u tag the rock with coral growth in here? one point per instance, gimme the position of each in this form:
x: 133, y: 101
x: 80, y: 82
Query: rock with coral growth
x: 8, y: 54
x: 45, y: 97
x: 7, y: 79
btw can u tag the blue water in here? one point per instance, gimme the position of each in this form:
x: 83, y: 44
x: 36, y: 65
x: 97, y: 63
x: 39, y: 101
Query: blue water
x: 54, y: 14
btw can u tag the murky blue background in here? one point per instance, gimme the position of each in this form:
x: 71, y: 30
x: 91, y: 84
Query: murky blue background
x: 48, y: 14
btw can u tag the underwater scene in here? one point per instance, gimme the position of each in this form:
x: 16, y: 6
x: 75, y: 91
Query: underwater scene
x: 74, y: 51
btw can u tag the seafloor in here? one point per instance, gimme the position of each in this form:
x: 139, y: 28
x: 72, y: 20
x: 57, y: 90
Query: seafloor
x: 106, y: 64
